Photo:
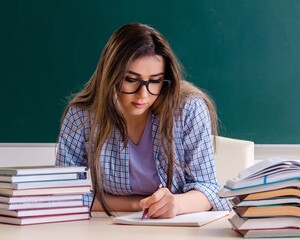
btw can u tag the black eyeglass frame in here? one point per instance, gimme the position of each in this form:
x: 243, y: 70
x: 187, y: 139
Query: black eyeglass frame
x: 146, y: 83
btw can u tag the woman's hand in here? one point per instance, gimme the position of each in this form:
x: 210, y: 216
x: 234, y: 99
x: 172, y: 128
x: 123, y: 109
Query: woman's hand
x: 161, y: 204
x: 164, y: 204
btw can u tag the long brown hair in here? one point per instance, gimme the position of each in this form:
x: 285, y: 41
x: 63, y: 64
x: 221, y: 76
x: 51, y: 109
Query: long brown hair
x: 99, y: 96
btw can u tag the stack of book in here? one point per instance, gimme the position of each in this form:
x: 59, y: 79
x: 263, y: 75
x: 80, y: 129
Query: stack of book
x: 32, y: 195
x: 266, y: 199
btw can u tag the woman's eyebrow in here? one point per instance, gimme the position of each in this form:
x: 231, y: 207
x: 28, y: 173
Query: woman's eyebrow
x: 139, y: 75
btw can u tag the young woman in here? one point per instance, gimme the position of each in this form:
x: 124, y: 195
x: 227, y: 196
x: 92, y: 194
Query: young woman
x: 137, y: 125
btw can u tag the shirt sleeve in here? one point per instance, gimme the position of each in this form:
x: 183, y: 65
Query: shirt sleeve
x: 199, y: 153
x: 72, y: 143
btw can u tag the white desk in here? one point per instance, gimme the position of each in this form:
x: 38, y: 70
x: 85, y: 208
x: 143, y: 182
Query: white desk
x: 102, y: 228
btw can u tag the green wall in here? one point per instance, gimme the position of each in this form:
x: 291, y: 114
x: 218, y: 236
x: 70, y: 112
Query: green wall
x: 246, y: 54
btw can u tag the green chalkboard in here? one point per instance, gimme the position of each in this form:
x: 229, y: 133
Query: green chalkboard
x: 246, y: 54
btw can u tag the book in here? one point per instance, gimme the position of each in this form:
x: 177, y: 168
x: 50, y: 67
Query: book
x: 191, y: 219
x: 240, y: 202
x: 225, y: 193
x: 44, y: 212
x: 267, y: 166
x: 283, y: 192
x: 39, y: 177
x: 269, y: 233
x: 46, y: 184
x: 34, y: 205
x: 32, y: 170
x: 266, y: 199
x: 267, y: 179
x: 268, y: 211
x: 264, y: 223
x: 44, y: 191
x: 265, y: 172
x: 43, y: 219
x: 43, y: 198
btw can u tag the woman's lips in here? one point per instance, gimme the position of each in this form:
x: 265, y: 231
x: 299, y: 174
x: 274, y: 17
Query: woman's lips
x: 139, y: 105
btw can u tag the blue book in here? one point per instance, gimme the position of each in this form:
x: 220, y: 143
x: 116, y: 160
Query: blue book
x: 37, y: 177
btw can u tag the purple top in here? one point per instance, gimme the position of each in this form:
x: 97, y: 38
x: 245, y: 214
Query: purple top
x: 144, y: 179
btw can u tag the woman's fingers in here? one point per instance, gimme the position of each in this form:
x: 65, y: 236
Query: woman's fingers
x: 160, y: 204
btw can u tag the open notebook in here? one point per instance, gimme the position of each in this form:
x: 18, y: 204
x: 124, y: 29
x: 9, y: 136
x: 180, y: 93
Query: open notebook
x: 188, y: 220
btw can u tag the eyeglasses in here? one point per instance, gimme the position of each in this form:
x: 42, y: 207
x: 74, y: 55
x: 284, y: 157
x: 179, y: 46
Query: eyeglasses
x: 154, y: 87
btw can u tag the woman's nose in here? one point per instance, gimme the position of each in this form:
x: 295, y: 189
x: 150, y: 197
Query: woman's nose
x: 143, y: 92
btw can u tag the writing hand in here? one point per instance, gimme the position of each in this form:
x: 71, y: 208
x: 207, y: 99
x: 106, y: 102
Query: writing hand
x: 161, y: 204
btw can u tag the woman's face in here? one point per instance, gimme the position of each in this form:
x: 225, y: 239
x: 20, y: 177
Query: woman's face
x: 139, y: 103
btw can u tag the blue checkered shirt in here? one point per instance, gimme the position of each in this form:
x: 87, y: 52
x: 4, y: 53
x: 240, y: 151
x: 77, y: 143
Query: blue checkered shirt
x: 193, y: 151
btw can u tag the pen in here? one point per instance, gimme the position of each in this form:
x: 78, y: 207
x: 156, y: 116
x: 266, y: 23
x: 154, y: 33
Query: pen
x: 146, y: 209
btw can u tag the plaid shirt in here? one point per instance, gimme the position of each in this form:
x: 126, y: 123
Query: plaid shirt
x: 192, y: 145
